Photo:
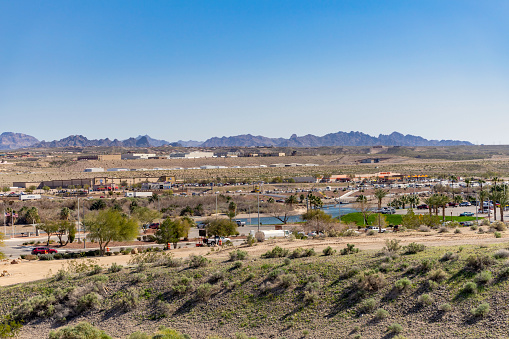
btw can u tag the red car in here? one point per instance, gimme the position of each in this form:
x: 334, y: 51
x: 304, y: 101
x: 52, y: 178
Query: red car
x: 422, y: 207
x: 154, y: 226
x: 43, y: 250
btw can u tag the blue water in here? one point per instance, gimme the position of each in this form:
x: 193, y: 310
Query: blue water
x: 332, y: 210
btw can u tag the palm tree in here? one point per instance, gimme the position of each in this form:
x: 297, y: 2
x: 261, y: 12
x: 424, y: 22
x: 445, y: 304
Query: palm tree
x: 413, y: 200
x: 442, y: 202
x: 65, y: 213
x: 379, y: 195
x: 496, y: 193
x: 483, y: 195
x: 430, y: 202
x: 467, y: 182
x: 291, y: 200
x: 503, y: 199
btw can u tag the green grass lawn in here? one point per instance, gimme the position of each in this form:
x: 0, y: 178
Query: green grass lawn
x: 392, y: 219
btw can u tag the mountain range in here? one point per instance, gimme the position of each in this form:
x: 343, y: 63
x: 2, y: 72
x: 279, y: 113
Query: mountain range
x: 10, y: 140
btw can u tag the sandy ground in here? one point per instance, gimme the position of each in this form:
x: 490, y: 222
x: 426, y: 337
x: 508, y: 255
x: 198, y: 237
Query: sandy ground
x: 27, y: 271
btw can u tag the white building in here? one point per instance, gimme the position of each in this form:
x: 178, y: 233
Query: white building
x: 94, y: 169
x: 192, y: 155
x: 118, y: 169
x: 133, y: 156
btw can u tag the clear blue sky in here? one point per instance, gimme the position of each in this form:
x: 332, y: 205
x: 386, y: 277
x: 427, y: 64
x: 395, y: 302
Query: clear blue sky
x: 196, y: 69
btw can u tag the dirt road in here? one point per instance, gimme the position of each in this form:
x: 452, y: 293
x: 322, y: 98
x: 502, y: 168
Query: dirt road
x: 27, y: 271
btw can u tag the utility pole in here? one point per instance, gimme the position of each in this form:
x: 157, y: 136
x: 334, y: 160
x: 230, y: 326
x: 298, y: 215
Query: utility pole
x: 79, y: 223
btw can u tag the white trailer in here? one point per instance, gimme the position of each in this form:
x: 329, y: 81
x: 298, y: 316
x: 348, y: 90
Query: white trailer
x: 30, y: 197
x: 272, y: 233
x: 138, y: 194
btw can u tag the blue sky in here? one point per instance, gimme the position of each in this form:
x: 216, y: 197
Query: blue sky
x: 197, y: 69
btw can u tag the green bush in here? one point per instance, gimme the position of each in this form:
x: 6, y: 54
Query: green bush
x: 115, y: 268
x: 370, y: 281
x: 501, y: 254
x: 81, y: 331
x: 300, y: 252
x: 89, y: 301
x: 414, y: 248
x: 204, y: 291
x: 349, y: 249
x: 369, y: 305
x: 469, y: 288
x: 498, y: 235
x: 196, y: 261
x: 481, y: 311
x: 276, y: 252
x: 238, y: 255
x: 381, y: 314
x: 403, y: 284
x: 479, y: 262
x: 46, y: 256
x: 425, y: 299
x: 9, y: 327
x: 329, y: 251
x: 445, y: 307
x: 484, y: 277
x: 288, y: 280
x: 392, y: 245
x: 395, y: 328
x: 449, y: 256
x: 438, y: 275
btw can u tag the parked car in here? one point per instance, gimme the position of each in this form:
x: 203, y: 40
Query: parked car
x: 43, y: 250
x: 375, y: 228
x: 423, y: 207
x: 154, y: 226
x: 452, y: 204
x: 466, y: 214
x: 240, y: 223
x: 465, y: 203
x: 388, y: 210
x: 466, y: 223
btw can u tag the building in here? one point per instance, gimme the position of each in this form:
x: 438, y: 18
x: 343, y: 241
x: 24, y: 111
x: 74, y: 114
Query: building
x: 191, y: 155
x: 118, y: 170
x: 156, y: 186
x: 302, y: 180
x: 370, y: 161
x: 100, y: 157
x: 94, y: 169
x: 135, y: 156
x: 227, y: 154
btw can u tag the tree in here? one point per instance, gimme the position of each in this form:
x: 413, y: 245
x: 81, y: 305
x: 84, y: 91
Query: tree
x: 413, y: 200
x: 280, y: 211
x: 503, y: 200
x: 49, y: 227
x: 314, y: 201
x: 65, y: 213
x: 291, y: 200
x: 97, y: 205
x: 364, y: 207
x: 145, y: 215
x: 2, y: 255
x: 31, y: 189
x: 442, y: 202
x: 221, y: 227
x: 410, y: 219
x: 483, y: 195
x: 232, y: 210
x: 170, y: 231
x: 65, y: 228
x: 46, y: 189
x: 380, y: 195
x: 317, y: 220
x: 32, y: 215
x: 109, y: 225
x: 153, y: 198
